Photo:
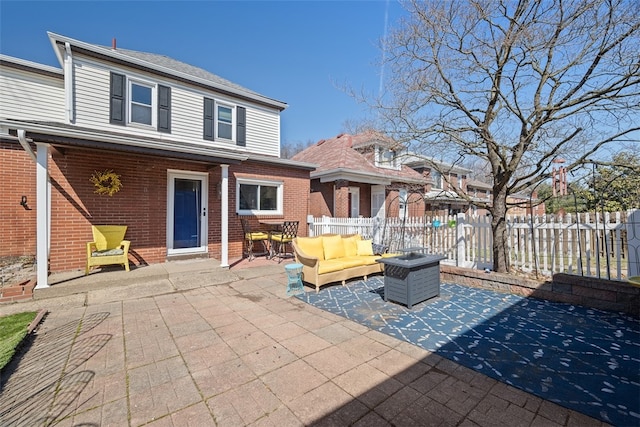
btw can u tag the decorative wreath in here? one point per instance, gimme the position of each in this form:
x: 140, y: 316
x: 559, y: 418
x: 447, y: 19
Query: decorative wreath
x: 106, y: 182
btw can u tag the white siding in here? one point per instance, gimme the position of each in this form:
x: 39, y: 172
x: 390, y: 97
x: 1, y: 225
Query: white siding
x: 92, y: 110
x: 263, y: 131
x: 27, y: 95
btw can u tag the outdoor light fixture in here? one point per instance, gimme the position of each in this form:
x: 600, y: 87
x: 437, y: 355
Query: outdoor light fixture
x: 23, y: 202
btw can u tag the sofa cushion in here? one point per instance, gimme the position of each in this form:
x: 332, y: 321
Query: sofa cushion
x: 361, y: 259
x: 379, y: 249
x: 331, y: 265
x: 108, y: 252
x: 365, y: 247
x: 333, y: 247
x: 311, y: 246
x: 350, y: 245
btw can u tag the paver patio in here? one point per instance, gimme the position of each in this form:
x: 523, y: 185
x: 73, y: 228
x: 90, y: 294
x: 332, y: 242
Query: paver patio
x: 228, y: 348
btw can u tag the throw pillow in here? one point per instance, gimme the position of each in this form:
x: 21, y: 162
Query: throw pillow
x: 333, y: 247
x: 365, y: 247
x: 350, y: 245
x: 311, y: 246
x: 379, y: 249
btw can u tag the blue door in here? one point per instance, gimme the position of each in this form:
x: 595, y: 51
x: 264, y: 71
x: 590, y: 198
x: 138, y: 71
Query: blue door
x: 187, y: 208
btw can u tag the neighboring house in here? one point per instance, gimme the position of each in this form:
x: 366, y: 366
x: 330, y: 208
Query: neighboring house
x: 525, y: 204
x: 481, y: 194
x: 445, y: 183
x: 194, y: 152
x: 361, y: 175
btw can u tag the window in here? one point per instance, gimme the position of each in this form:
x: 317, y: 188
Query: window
x: 385, y: 158
x: 141, y: 103
x: 402, y: 203
x: 225, y: 122
x: 259, y: 197
x: 133, y: 101
x: 436, y: 178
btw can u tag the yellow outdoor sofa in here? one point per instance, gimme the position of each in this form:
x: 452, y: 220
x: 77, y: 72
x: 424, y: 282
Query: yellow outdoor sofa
x: 335, y: 258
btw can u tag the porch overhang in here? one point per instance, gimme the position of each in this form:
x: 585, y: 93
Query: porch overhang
x: 351, y: 175
x: 60, y: 136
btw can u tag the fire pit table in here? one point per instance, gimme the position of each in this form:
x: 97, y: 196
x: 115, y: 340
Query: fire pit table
x: 412, y: 277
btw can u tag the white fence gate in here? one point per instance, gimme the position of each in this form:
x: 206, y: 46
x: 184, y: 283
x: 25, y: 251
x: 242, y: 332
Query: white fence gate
x: 585, y: 244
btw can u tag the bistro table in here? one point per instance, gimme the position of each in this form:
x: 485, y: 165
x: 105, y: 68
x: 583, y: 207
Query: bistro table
x: 271, y: 225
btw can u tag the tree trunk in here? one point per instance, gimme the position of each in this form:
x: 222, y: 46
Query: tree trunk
x: 499, y: 230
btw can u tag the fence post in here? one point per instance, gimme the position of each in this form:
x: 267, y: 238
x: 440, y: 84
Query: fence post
x: 633, y: 242
x: 461, y: 243
x: 310, y: 225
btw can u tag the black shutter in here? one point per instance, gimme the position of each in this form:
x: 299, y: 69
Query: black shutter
x: 208, y: 119
x: 118, y: 99
x: 241, y: 126
x: 164, y: 109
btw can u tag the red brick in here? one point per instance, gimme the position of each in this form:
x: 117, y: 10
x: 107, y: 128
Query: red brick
x: 141, y: 204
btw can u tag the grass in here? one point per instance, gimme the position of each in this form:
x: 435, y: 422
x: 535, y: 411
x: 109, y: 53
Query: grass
x: 13, y: 329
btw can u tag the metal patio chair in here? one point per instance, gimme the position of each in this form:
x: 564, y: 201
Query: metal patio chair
x: 250, y: 237
x: 283, y: 238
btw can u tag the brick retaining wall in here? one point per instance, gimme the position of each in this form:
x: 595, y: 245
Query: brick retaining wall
x: 19, y: 292
x: 603, y: 294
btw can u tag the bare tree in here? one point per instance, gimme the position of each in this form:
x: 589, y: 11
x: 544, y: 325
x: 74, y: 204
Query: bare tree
x: 288, y: 150
x: 516, y: 83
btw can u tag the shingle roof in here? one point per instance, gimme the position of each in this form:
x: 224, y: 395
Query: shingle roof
x: 338, y: 153
x: 162, y: 64
x: 181, y: 67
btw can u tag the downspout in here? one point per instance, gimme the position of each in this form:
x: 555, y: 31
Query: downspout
x: 68, y: 83
x: 22, y: 138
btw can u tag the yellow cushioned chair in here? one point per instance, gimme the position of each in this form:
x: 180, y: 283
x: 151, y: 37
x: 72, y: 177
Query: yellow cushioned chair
x: 108, y: 247
x: 250, y: 237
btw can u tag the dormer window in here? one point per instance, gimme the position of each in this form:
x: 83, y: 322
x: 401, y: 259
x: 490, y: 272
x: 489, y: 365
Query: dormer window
x: 386, y: 158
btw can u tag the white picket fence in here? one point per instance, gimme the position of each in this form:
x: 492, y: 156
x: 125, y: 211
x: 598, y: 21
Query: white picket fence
x: 584, y: 244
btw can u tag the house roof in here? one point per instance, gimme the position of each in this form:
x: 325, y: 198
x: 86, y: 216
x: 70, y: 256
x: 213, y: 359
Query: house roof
x: 161, y: 64
x: 416, y: 160
x: 474, y: 183
x: 336, y: 158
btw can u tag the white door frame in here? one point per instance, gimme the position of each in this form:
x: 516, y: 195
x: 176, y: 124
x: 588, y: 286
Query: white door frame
x: 172, y: 175
x: 354, y: 197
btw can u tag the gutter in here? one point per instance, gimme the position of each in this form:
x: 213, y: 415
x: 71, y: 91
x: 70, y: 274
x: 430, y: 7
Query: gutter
x: 121, y: 140
x: 68, y: 83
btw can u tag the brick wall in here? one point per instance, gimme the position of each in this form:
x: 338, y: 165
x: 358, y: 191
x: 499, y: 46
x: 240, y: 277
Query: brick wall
x: 321, y: 198
x: 17, y: 178
x: 586, y: 291
x: 141, y: 204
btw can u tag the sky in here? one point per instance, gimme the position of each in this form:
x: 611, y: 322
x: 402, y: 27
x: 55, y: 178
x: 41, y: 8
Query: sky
x: 300, y: 52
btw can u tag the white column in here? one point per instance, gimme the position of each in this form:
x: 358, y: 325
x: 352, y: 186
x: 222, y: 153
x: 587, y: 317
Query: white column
x: 633, y: 242
x: 42, y: 215
x: 224, y: 215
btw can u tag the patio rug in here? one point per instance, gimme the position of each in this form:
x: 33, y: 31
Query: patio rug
x: 584, y: 359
